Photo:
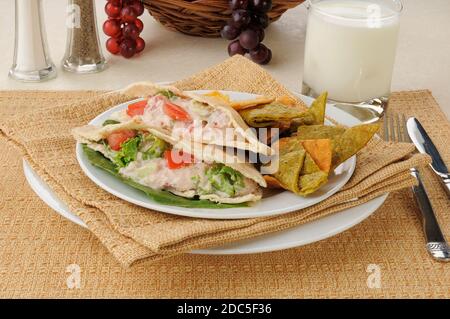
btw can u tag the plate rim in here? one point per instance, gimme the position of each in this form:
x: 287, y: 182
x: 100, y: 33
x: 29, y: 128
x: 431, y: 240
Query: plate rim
x: 233, y: 213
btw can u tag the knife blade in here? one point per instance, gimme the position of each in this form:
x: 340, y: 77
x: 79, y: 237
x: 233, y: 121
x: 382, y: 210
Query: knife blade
x: 425, y: 145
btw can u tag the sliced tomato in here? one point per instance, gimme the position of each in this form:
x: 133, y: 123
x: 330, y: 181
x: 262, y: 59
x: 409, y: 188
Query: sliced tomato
x: 116, y: 139
x: 177, y: 159
x: 136, y: 108
x: 176, y: 112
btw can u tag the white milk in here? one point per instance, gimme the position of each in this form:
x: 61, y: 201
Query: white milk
x: 350, y: 49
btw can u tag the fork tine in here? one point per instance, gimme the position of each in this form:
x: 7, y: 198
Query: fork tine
x: 386, y: 126
x: 405, y: 131
x: 392, y: 136
x: 399, y: 128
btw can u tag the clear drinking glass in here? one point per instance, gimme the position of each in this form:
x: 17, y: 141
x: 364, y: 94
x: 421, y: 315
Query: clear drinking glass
x: 83, y: 51
x: 32, y: 61
x: 350, y: 50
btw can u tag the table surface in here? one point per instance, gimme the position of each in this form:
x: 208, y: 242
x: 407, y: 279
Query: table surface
x: 423, y: 55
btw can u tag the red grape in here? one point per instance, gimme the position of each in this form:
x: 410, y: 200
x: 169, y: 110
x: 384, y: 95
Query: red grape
x: 249, y: 39
x: 269, y: 57
x: 261, y: 5
x: 235, y: 48
x: 259, y: 54
x: 140, y: 45
x: 240, y: 18
x: 131, y: 31
x: 139, y: 24
x: 128, y: 14
x: 238, y: 4
x: 128, y: 48
x: 111, y: 27
x: 112, y: 11
x: 229, y: 32
x: 260, y: 19
x: 259, y: 30
x: 137, y: 6
x: 115, y: 2
x: 113, y: 45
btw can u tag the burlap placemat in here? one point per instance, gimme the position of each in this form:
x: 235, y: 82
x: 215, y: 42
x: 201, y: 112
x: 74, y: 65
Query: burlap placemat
x: 133, y: 233
x: 37, y: 246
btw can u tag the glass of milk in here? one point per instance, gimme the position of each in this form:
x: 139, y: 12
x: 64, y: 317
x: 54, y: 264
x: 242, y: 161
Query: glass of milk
x: 350, y: 49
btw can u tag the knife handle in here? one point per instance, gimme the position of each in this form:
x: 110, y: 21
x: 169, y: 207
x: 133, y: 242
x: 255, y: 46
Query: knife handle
x: 446, y: 184
x: 436, y: 243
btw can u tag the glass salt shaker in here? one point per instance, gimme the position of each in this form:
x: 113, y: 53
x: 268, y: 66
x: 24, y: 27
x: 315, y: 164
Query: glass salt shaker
x: 32, y: 62
x: 83, y: 52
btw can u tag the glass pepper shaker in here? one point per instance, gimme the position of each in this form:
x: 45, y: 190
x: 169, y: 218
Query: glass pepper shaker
x: 83, y: 52
x: 32, y: 62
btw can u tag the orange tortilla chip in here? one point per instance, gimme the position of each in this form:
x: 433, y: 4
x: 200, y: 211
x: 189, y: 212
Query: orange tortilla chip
x: 321, y: 152
x: 245, y: 104
x: 286, y: 100
x: 272, y: 182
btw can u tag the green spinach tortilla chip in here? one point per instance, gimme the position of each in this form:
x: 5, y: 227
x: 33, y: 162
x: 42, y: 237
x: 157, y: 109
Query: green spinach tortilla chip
x: 315, y: 114
x: 297, y: 170
x: 345, y: 142
x: 270, y: 115
x: 277, y: 114
x: 352, y: 141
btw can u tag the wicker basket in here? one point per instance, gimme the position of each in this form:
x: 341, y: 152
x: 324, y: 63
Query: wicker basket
x: 203, y: 18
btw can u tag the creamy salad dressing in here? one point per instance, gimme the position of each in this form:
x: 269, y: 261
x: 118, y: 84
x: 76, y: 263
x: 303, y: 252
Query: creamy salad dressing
x: 155, y: 174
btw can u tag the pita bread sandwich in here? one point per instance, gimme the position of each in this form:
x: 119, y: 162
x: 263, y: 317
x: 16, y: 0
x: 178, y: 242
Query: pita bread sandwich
x: 168, y: 170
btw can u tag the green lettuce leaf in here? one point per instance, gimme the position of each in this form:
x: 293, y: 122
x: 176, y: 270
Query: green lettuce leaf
x: 128, y: 151
x: 225, y: 179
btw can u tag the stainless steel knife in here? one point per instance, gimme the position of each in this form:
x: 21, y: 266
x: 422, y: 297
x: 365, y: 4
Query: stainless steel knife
x: 425, y: 145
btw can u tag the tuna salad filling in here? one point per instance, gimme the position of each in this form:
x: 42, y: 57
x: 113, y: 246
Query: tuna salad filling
x: 183, y: 118
x: 150, y: 161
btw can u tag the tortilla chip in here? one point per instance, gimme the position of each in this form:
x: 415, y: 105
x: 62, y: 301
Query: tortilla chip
x: 320, y: 151
x: 315, y: 115
x: 272, y: 182
x: 345, y: 142
x: 290, y: 167
x: 352, y: 141
x: 314, y: 132
x: 245, y: 104
x: 270, y: 115
x: 286, y: 100
x: 297, y: 170
x: 311, y: 177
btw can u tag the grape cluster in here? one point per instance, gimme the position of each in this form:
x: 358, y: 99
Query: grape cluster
x: 246, y: 29
x: 123, y: 27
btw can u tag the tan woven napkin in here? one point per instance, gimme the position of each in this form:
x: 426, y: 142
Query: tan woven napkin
x: 133, y: 233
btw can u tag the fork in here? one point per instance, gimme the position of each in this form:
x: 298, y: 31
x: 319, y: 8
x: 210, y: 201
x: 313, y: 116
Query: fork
x: 394, y: 127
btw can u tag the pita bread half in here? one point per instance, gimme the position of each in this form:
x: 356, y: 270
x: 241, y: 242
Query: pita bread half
x: 209, y: 153
x: 245, y: 137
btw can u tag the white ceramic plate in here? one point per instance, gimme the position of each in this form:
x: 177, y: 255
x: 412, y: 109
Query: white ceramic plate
x: 292, y: 237
x: 268, y: 206
x: 296, y: 236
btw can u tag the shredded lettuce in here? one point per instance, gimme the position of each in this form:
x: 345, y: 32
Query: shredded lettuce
x: 167, y: 93
x: 156, y: 148
x: 225, y: 179
x: 128, y: 152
